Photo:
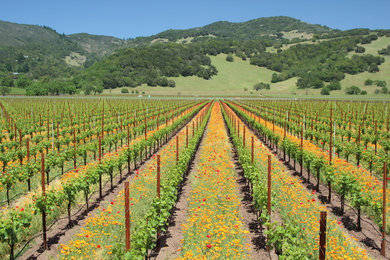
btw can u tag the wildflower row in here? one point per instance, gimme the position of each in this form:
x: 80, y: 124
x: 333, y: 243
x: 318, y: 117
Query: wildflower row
x: 214, y: 229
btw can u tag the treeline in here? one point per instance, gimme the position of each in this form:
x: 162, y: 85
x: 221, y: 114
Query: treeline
x: 39, y: 60
x: 385, y: 51
x: 149, y: 65
x: 255, y: 29
x: 315, y: 64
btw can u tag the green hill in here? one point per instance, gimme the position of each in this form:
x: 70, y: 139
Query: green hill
x: 278, y: 26
x: 38, y: 51
x: 281, y: 51
x: 233, y: 79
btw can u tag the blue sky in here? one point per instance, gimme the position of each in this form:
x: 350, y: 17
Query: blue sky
x: 125, y: 19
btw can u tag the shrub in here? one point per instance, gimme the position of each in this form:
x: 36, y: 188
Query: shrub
x: 260, y: 85
x: 368, y: 82
x: 363, y: 92
x: 360, y: 49
x: 325, y: 91
x: 380, y: 83
x: 354, y: 90
x: 334, y: 85
x: 124, y: 91
x: 171, y: 83
x: 229, y: 57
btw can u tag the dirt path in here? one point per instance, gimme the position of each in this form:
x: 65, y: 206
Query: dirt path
x: 61, y: 233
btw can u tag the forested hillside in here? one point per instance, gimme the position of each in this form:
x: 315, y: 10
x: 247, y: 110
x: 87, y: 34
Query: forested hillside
x: 42, y: 61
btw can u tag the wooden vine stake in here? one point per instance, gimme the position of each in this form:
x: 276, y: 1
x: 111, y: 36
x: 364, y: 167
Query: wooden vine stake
x: 44, y: 196
x: 269, y: 191
x: 383, y: 244
x: 243, y: 137
x: 28, y: 161
x: 322, y: 235
x: 127, y: 215
x: 269, y: 186
x: 158, y: 176
x: 186, y: 136
x: 74, y: 147
x: 177, y: 148
x: 301, y: 161
x: 252, y: 148
x: 100, y: 161
x: 146, y: 136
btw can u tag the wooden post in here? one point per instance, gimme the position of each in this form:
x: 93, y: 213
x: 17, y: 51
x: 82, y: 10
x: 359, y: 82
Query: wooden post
x: 74, y: 147
x: 383, y: 244
x: 186, y: 136
x: 128, y: 136
x: 158, y: 176
x: 252, y: 153
x: 376, y: 133
x: 301, y: 161
x: 177, y: 148
x: 358, y: 139
x: 103, y: 121
x: 28, y: 149
x: 100, y: 161
x: 269, y: 192
x: 269, y: 186
x: 330, y: 143
x: 44, y: 195
x: 322, y: 235
x: 127, y: 215
x: 146, y: 136
x: 243, y: 137
x: 193, y: 128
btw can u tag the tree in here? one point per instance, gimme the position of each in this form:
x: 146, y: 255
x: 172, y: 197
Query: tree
x: 88, y: 88
x: 98, y: 89
x: 380, y: 83
x: 325, y: 91
x: 334, y: 85
x: 368, y: 82
x: 384, y: 90
x: 229, y: 57
x: 4, y: 90
x: 7, y: 81
x: 373, y: 68
x: 22, y: 82
x: 37, y: 89
x: 171, y: 83
x: 260, y: 85
x: 354, y: 90
x: 360, y: 49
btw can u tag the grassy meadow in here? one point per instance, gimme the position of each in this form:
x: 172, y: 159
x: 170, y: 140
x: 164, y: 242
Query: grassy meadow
x: 237, y: 79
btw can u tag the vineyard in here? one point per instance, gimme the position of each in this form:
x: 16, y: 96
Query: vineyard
x: 193, y: 179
